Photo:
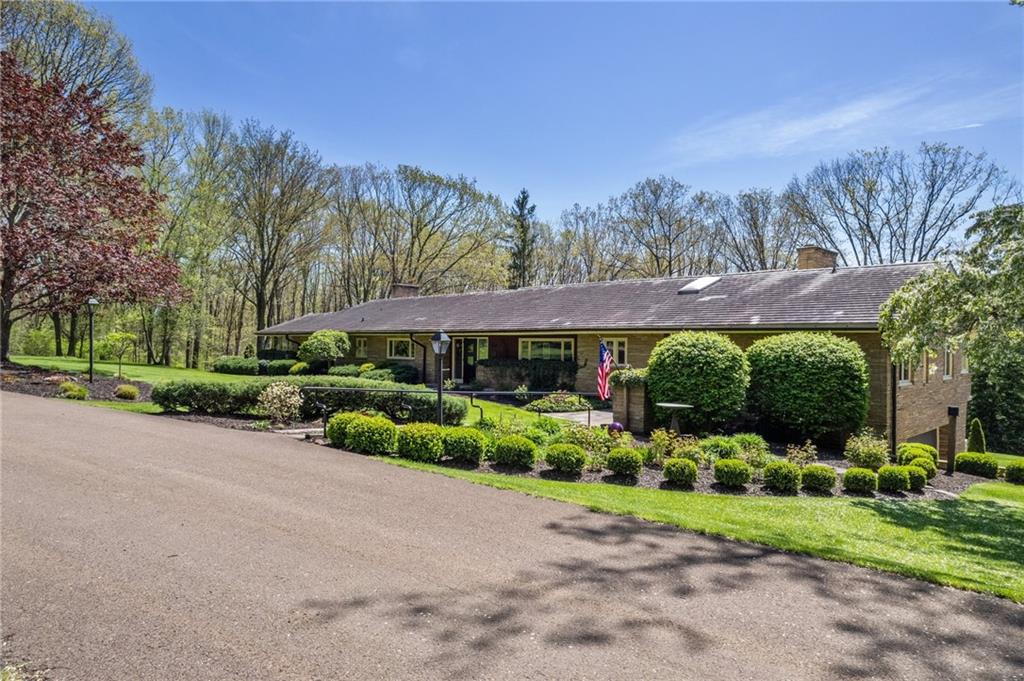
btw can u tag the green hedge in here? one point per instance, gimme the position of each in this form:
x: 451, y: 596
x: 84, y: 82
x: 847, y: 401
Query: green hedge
x: 976, y: 463
x: 818, y: 478
x: 782, y: 477
x: 233, y: 364
x: 706, y: 370
x: 926, y: 464
x: 239, y: 397
x: 893, y: 479
x: 860, y: 481
x: 371, y: 435
x: 908, y: 451
x: 337, y: 427
x: 625, y: 461
x: 917, y: 476
x: 628, y: 377
x: 515, y: 450
x: 809, y: 383
x: 344, y: 370
x: 467, y: 445
x: 732, y: 472
x: 566, y: 458
x: 680, y: 471
x: 280, y: 367
x: 421, y: 442
x: 1015, y: 473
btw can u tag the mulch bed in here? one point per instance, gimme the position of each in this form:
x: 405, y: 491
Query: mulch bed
x: 46, y: 383
x: 236, y: 422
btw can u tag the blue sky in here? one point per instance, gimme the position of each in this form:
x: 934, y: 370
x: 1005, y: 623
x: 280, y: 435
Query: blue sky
x: 579, y: 101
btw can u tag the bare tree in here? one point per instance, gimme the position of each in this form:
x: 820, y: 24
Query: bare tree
x: 757, y: 229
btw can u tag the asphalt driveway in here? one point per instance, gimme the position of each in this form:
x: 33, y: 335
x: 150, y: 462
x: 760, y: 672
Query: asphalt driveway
x: 139, y: 547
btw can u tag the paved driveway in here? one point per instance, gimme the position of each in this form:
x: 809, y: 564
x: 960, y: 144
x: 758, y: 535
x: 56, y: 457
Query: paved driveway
x: 136, y: 547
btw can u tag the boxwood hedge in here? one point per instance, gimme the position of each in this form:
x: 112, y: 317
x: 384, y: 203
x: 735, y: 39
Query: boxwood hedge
x: 782, y: 477
x: 566, y: 458
x: 515, y: 450
x: 976, y: 463
x: 625, y: 461
x: 371, y: 435
x: 818, y: 478
x: 860, y: 481
x: 467, y: 445
x: 421, y: 442
x: 680, y: 471
x: 233, y: 364
x: 1015, y: 473
x: 732, y: 472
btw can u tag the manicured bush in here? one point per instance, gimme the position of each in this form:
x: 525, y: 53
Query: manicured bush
x: 1015, y: 473
x: 298, y: 369
x: 378, y: 375
x: 233, y: 364
x: 566, y: 458
x: 73, y: 391
x: 927, y: 465
x: 280, y: 367
x: 126, y: 391
x: 917, y: 477
x: 893, y: 479
x: 680, y: 471
x: 421, y: 442
x: 467, y: 445
x: 706, y: 370
x: 371, y: 435
x: 908, y: 451
x: 977, y: 463
x: 818, y: 478
x: 720, y: 447
x: 732, y: 472
x: 324, y: 346
x: 558, y: 401
x: 976, y: 437
x: 344, y: 370
x: 337, y: 427
x: 809, y: 383
x: 515, y: 450
x: 782, y: 477
x: 280, y: 402
x: 400, y: 372
x: 625, y: 461
x: 867, y: 451
x: 860, y: 481
x: 753, y: 449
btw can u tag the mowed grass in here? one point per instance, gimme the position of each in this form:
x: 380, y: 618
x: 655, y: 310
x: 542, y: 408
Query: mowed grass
x: 136, y: 372
x: 975, y: 542
x: 496, y: 411
x: 134, y: 407
x: 1006, y: 459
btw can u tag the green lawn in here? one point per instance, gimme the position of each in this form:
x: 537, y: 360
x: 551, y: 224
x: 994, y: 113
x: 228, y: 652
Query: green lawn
x: 134, y: 407
x: 498, y: 412
x: 975, y: 542
x: 1006, y: 459
x: 136, y: 372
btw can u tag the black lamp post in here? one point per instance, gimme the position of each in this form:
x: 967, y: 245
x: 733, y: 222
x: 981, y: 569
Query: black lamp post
x: 440, y: 341
x: 92, y: 308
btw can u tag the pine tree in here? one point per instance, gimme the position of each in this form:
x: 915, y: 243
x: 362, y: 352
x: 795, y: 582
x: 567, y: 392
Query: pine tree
x: 976, y: 438
x: 522, y: 241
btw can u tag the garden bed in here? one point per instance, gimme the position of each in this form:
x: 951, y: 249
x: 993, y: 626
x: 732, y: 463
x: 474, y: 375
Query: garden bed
x: 45, y: 383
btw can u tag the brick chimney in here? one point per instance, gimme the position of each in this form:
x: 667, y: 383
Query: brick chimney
x: 405, y: 290
x: 815, y: 257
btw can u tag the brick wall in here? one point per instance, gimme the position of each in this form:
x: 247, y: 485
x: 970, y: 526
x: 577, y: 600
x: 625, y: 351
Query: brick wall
x: 921, y: 404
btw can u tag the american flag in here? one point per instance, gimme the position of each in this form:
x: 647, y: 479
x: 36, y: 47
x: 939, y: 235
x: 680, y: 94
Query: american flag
x: 604, y: 368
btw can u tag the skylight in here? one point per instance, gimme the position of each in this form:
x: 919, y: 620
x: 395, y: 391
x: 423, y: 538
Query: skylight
x: 698, y: 285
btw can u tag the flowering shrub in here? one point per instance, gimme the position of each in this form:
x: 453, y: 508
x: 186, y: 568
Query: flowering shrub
x: 280, y: 402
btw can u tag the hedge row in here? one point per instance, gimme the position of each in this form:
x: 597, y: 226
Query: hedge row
x: 241, y: 397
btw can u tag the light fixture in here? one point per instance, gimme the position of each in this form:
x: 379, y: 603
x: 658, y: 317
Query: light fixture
x: 440, y: 342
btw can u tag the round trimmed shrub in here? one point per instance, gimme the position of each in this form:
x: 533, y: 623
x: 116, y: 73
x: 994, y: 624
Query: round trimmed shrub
x: 927, y: 465
x: 732, y: 472
x: 515, y: 450
x: 371, y: 435
x: 324, y: 346
x: 337, y: 427
x: 566, y: 458
x: 1015, y: 473
x: 977, y: 463
x: 810, y: 383
x: 625, y: 461
x: 680, y: 471
x: 706, y: 370
x: 860, y: 481
x: 782, y: 477
x: 893, y: 479
x: 867, y: 451
x: 421, y: 442
x: 908, y: 451
x: 917, y: 477
x: 464, y: 444
x: 720, y: 447
x: 818, y: 478
x: 126, y: 391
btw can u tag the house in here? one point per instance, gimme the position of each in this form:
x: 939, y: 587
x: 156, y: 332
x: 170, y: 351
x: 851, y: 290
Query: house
x: 566, y: 323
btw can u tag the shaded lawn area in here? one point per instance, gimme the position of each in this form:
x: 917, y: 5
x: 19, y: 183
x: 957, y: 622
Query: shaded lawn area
x: 975, y: 542
x: 136, y: 372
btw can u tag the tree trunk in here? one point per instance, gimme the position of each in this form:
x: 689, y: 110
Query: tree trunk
x: 73, y: 334
x: 58, y: 334
x: 5, y: 335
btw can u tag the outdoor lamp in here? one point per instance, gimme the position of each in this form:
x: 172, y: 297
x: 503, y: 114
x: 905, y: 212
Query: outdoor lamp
x: 440, y: 341
x: 92, y: 303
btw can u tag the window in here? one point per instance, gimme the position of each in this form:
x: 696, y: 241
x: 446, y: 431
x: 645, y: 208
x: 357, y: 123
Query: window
x: 963, y: 363
x: 399, y: 348
x: 546, y: 348
x: 482, y: 349
x: 903, y: 373
x: 947, y: 363
x: 617, y: 346
x: 360, y: 348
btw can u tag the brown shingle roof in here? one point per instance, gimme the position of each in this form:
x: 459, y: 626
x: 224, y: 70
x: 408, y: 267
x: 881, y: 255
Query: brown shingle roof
x: 847, y: 298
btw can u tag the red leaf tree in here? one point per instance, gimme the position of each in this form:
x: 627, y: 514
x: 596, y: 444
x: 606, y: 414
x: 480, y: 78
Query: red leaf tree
x: 77, y: 222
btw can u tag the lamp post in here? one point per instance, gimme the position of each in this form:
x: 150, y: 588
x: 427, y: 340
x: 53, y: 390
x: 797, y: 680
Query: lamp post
x: 439, y: 341
x: 92, y: 302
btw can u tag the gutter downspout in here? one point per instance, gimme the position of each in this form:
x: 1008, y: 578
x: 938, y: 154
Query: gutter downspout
x: 892, y: 413
x: 423, y: 347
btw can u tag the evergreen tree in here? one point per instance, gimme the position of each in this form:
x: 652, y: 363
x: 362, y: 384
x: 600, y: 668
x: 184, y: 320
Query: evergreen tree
x: 976, y: 439
x: 522, y: 242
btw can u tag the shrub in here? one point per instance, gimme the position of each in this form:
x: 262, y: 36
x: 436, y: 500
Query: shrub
x: 802, y: 455
x: 126, y: 391
x: 401, y: 372
x: 976, y: 438
x: 324, y: 346
x: 917, y: 477
x: 753, y: 449
x: 73, y: 391
x: 515, y: 450
x: 280, y: 367
x: 371, y: 435
x: 233, y: 364
x: 860, y: 481
x: 337, y: 427
x: 908, y: 451
x: 720, y: 447
x: 893, y: 479
x: 706, y: 370
x: 782, y: 477
x: 366, y: 366
x: 977, y: 463
x: 680, y: 471
x: 810, y: 383
x: 280, y: 402
x: 37, y: 342
x: 625, y: 461
x: 565, y: 458
x: 344, y: 370
x: 927, y: 465
x: 421, y: 442
x: 464, y: 444
x: 1015, y: 472
x: 867, y: 451
x: 732, y: 472
x: 628, y: 377
x: 298, y: 369
x: 818, y: 478
x: 597, y: 441
x: 558, y: 401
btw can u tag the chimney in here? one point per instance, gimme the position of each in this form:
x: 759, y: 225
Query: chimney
x: 815, y: 257
x: 405, y: 290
